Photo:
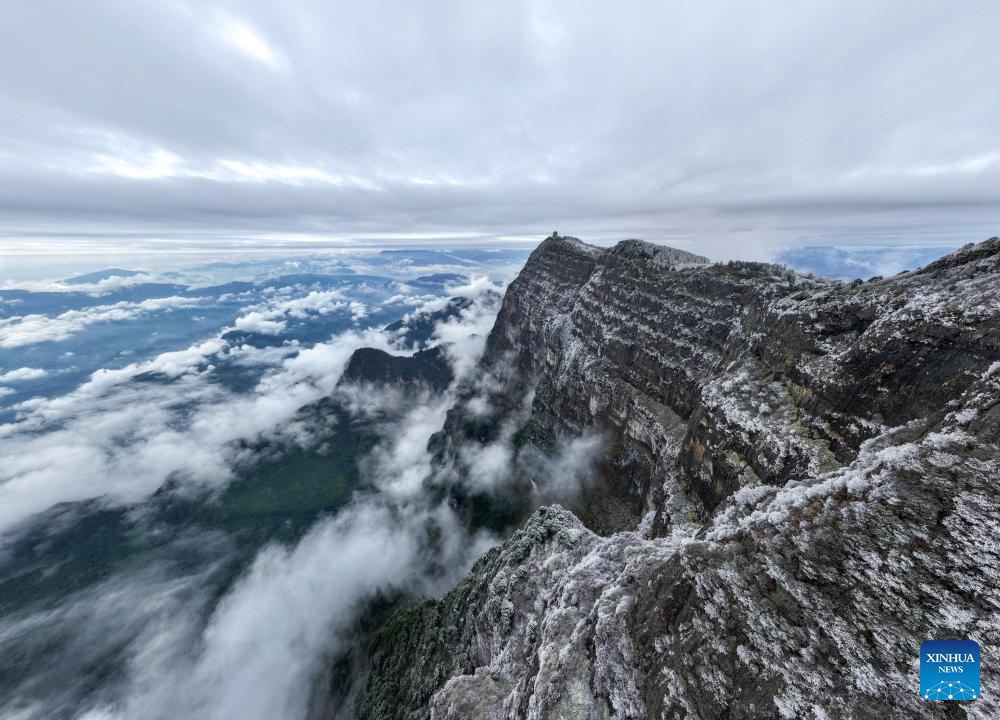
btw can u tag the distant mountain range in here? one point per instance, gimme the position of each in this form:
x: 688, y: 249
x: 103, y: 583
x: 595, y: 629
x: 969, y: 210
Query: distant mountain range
x: 102, y: 275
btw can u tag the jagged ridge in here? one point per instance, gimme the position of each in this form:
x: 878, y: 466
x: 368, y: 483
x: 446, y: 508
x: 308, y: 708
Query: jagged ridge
x: 818, y: 460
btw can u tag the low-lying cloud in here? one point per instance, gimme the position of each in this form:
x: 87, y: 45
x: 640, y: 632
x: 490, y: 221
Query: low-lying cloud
x: 120, y: 437
x: 264, y: 644
x: 20, y: 330
x: 261, y: 648
x: 25, y: 373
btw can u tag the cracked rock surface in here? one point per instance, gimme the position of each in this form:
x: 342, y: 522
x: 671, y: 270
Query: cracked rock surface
x: 809, y: 471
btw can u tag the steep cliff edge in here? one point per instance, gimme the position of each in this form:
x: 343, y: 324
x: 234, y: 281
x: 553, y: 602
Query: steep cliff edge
x: 815, y: 464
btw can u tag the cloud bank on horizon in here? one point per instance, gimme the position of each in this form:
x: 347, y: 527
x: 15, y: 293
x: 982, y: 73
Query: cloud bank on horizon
x: 729, y: 127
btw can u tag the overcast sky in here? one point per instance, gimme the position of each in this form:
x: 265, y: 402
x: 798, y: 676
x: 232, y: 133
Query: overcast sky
x: 729, y: 127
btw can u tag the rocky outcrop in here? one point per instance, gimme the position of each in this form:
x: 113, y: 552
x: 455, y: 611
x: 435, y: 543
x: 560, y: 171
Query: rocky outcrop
x: 814, y: 464
x: 427, y: 365
x: 429, y: 368
x: 705, y: 378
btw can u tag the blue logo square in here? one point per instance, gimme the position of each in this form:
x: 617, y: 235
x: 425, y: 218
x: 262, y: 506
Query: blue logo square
x: 949, y: 670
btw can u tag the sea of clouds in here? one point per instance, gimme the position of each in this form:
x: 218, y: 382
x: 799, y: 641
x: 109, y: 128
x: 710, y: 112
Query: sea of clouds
x: 154, y: 639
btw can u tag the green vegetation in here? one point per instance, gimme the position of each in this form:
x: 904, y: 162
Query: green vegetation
x: 273, y: 499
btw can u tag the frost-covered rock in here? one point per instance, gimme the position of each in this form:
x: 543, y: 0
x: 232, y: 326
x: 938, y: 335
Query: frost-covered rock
x: 820, y: 464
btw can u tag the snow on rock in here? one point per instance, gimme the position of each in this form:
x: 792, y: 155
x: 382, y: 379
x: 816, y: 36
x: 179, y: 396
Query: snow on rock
x: 814, y: 465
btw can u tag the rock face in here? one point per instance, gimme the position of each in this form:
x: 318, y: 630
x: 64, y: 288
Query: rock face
x: 429, y: 367
x: 814, y: 465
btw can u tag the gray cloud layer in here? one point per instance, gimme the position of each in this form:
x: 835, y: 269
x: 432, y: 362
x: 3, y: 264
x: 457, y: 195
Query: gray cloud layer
x: 723, y: 125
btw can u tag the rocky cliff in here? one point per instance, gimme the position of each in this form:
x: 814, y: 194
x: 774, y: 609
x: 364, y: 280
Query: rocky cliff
x: 796, y: 487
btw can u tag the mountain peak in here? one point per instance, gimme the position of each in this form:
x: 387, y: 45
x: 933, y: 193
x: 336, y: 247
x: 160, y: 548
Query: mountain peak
x: 557, y: 241
x: 760, y: 441
x: 658, y: 255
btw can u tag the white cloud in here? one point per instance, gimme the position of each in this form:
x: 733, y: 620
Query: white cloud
x: 237, y: 170
x: 266, y: 641
x: 571, y: 468
x: 270, y: 318
x: 262, y: 646
x: 94, y: 625
x: 358, y: 310
x: 475, y: 287
x: 268, y: 636
x: 240, y: 36
x: 400, y: 463
x: 20, y: 330
x: 490, y: 464
x: 120, y: 439
x: 24, y: 373
x: 465, y: 334
x: 98, y: 288
x: 321, y: 302
x: 178, y: 362
x: 158, y: 163
x: 258, y: 322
